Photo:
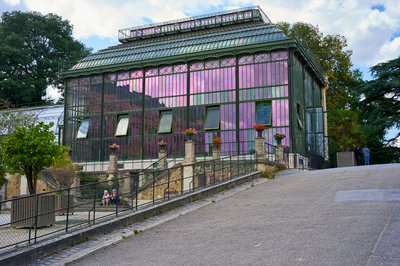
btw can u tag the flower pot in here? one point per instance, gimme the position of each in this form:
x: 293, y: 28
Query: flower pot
x: 279, y: 141
x: 189, y: 137
x: 259, y: 133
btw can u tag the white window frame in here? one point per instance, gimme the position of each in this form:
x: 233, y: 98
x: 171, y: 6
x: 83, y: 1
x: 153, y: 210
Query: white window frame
x: 83, y: 129
x: 122, y: 127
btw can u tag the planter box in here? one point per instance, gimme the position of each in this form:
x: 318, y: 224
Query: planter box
x: 24, y: 210
x: 345, y: 159
x: 62, y: 204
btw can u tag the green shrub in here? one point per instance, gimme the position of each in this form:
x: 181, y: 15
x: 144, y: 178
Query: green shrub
x: 269, y: 173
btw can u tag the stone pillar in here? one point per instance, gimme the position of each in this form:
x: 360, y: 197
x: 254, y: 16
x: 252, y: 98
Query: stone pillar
x: 216, y: 152
x: 279, y: 154
x: 188, y: 167
x: 162, y: 157
x: 112, y: 172
x: 190, y: 156
x: 260, y: 154
x: 76, y: 185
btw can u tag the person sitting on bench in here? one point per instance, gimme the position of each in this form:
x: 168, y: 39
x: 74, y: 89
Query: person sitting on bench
x: 114, y: 197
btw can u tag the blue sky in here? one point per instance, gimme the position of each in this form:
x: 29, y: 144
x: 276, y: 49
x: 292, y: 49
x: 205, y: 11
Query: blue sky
x: 372, y: 28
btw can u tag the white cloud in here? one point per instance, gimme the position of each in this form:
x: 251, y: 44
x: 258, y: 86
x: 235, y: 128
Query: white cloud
x: 12, y: 2
x: 367, y: 31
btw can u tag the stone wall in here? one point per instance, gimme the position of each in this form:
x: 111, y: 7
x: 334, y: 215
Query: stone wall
x: 205, y: 174
x: 14, y: 186
x: 161, y: 186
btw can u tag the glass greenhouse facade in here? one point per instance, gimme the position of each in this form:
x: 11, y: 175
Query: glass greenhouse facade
x: 219, y: 73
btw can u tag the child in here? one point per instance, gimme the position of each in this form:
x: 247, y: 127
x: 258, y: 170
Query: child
x: 106, y: 198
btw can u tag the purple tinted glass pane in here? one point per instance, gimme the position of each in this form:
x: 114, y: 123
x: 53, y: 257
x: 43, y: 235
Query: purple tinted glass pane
x: 123, y: 76
x: 269, y: 74
x: 151, y: 72
x: 262, y: 58
x: 136, y: 85
x: 279, y: 55
x: 166, y: 70
x: 212, y: 80
x: 246, y: 115
x: 137, y: 74
x: 280, y: 113
x: 180, y: 68
x: 247, y: 59
x: 211, y: 64
x: 197, y: 66
x: 284, y: 66
x: 228, y: 116
x: 228, y: 62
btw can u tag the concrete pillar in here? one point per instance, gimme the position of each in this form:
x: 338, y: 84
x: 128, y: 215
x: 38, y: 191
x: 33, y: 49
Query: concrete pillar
x: 76, y: 185
x: 260, y: 153
x: 188, y: 167
x: 324, y: 108
x: 216, y: 152
x: 279, y: 154
x: 112, y: 172
x: 190, y: 156
x: 162, y: 158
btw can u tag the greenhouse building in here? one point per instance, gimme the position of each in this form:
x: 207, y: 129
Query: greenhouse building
x: 219, y: 73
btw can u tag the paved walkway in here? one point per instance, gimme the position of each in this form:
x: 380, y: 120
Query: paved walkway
x: 343, y: 216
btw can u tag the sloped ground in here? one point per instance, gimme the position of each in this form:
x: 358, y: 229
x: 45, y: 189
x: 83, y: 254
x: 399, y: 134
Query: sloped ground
x: 343, y: 216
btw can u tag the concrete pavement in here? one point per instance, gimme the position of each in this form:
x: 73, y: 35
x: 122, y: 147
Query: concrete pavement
x: 342, y: 216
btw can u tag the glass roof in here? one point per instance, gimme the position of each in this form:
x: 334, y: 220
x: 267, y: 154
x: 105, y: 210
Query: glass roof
x: 184, y: 43
x: 46, y: 114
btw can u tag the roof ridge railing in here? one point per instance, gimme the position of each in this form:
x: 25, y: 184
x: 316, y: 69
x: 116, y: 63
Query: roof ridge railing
x: 219, y: 19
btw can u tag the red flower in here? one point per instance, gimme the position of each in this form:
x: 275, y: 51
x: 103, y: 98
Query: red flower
x: 259, y: 127
x: 190, y: 131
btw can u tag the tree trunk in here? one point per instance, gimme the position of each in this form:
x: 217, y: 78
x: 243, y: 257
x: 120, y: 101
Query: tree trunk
x: 30, y: 180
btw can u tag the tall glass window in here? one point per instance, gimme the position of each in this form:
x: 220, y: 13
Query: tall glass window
x: 165, y: 122
x: 212, y: 118
x: 263, y: 113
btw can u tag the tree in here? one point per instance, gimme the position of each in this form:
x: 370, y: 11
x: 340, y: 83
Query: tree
x: 63, y: 170
x: 379, y: 111
x: 331, y: 54
x: 3, y: 179
x: 28, y: 150
x: 381, y: 105
x: 334, y: 59
x: 8, y: 121
x: 33, y: 49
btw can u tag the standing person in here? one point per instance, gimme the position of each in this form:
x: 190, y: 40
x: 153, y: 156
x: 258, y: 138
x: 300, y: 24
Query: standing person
x: 357, y: 154
x: 366, y: 153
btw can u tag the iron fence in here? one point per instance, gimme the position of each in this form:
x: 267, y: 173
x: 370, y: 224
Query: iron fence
x: 29, y: 219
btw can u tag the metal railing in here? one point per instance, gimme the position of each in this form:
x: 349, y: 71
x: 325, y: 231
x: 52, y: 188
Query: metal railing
x: 30, y: 219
